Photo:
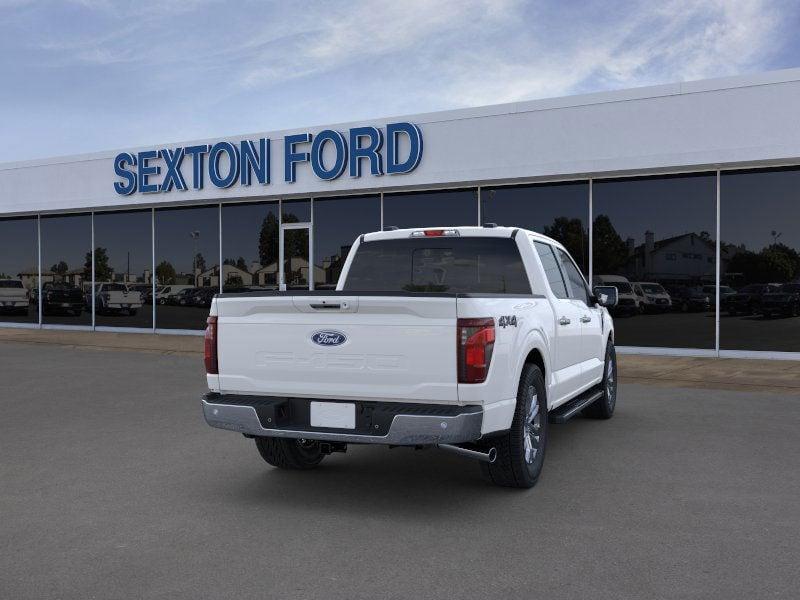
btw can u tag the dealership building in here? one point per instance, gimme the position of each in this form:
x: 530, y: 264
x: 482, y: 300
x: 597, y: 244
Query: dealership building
x: 685, y: 196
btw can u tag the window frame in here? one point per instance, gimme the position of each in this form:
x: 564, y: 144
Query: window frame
x: 560, y: 256
x: 536, y: 244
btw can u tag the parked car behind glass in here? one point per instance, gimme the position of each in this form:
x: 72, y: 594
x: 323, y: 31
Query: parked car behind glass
x: 783, y: 301
x: 690, y: 299
x: 748, y: 299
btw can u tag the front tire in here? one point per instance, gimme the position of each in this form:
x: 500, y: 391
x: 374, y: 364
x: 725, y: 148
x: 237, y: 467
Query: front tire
x: 298, y: 455
x: 520, y: 450
x: 603, y: 407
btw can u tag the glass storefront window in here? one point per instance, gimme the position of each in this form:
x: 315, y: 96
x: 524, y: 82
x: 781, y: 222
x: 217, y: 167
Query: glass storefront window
x: 250, y: 246
x: 123, y: 265
x: 760, y: 260
x: 653, y: 240
x: 337, y: 224
x: 431, y: 209
x: 187, y: 265
x: 19, y: 270
x: 67, y: 269
x: 296, y: 211
x: 560, y: 211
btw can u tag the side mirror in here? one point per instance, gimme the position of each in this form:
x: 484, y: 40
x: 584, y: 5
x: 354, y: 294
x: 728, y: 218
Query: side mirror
x: 606, y: 295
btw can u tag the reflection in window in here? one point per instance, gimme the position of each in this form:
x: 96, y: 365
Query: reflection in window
x: 187, y: 265
x: 123, y: 265
x: 250, y: 246
x: 431, y: 209
x: 337, y: 224
x: 760, y: 260
x: 19, y: 270
x: 560, y: 211
x: 66, y: 269
x: 296, y: 211
x: 658, y: 231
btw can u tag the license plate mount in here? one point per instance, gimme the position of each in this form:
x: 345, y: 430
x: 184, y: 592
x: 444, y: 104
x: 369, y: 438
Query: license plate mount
x: 333, y: 415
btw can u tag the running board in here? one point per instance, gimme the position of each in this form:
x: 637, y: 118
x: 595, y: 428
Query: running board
x: 566, y: 411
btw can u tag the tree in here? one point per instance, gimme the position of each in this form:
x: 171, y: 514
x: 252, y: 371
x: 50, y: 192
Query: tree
x: 241, y: 263
x: 268, y: 241
x: 59, y: 268
x: 570, y: 232
x: 102, y: 271
x: 165, y: 273
x: 610, y: 250
x: 199, y: 262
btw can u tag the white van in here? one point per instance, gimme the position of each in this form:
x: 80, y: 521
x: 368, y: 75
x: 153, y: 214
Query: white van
x: 629, y: 303
x: 652, y: 296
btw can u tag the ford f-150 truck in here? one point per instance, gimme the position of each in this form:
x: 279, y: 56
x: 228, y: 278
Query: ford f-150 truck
x: 470, y: 339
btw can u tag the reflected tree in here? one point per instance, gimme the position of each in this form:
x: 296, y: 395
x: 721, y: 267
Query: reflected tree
x: 610, y: 250
x: 102, y: 270
x: 571, y: 234
x: 165, y: 273
x: 268, y: 241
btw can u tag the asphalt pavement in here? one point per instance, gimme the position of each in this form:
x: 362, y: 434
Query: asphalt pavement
x: 112, y: 486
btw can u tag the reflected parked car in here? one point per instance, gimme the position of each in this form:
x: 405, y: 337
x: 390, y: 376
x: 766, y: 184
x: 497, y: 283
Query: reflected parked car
x: 784, y: 301
x: 748, y: 299
x: 725, y: 293
x: 114, y: 298
x: 145, y: 289
x: 652, y: 296
x: 62, y: 298
x: 690, y: 299
x: 14, y: 298
x: 183, y: 297
x: 203, y: 296
x: 166, y: 294
x: 628, y: 302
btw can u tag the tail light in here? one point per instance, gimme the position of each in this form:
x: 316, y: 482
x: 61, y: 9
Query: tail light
x: 475, y: 345
x: 210, y: 354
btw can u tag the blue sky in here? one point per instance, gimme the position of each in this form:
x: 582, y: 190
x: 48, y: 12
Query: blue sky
x: 89, y: 75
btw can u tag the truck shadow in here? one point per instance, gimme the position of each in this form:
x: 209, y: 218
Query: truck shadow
x: 374, y: 481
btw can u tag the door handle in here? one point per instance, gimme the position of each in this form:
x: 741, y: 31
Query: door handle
x: 564, y: 321
x: 585, y: 319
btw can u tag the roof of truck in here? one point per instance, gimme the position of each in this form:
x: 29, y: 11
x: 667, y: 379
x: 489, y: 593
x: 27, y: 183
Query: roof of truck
x: 463, y: 231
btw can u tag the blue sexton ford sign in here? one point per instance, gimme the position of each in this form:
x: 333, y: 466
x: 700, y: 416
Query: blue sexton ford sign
x: 225, y: 163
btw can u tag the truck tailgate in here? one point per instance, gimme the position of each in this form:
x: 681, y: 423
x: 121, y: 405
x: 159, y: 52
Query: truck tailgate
x: 363, y: 347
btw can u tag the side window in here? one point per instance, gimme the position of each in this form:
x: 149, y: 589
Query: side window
x: 577, y: 286
x: 551, y: 269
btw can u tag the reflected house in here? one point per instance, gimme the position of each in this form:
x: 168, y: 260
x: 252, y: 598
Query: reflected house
x: 266, y: 276
x: 210, y: 277
x: 296, y: 271
x: 28, y: 277
x: 332, y: 268
x: 688, y: 259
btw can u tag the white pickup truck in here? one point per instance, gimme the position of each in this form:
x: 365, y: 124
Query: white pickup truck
x: 470, y: 339
x: 13, y: 296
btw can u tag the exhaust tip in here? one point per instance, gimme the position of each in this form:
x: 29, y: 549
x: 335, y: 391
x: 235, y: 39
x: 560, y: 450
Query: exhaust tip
x: 492, y: 455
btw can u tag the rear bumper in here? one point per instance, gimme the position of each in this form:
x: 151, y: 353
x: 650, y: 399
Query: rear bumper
x: 391, y: 423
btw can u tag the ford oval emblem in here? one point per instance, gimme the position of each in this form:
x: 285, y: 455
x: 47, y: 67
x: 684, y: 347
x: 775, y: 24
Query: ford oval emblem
x: 328, y: 338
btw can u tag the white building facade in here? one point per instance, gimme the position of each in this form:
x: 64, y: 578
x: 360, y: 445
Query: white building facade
x: 685, y: 185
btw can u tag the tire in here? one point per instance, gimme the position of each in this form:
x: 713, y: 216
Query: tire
x: 603, y: 407
x: 298, y: 455
x: 520, y: 450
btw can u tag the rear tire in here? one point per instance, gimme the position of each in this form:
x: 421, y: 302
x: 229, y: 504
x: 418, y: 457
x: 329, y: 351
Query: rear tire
x: 520, y: 450
x: 299, y: 455
x: 603, y: 407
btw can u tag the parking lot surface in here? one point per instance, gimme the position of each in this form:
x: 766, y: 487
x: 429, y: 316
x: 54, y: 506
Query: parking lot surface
x: 112, y: 486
